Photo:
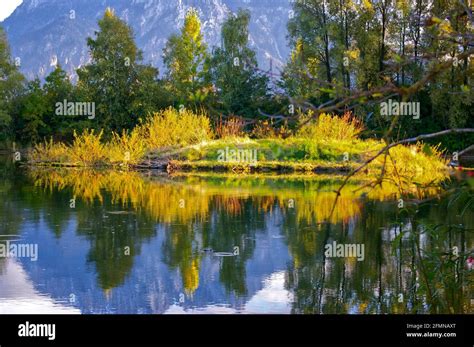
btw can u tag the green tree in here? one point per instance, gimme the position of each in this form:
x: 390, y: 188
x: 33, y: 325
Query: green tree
x: 233, y: 69
x: 58, y: 88
x: 185, y: 56
x: 342, y: 29
x: 115, y: 77
x: 295, y: 80
x: 370, y: 49
x: 310, y: 25
x: 452, y: 94
x: 151, y: 94
x: 30, y: 125
x: 311, y: 67
x: 11, y: 87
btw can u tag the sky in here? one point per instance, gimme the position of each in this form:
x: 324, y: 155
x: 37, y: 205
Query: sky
x: 7, y: 7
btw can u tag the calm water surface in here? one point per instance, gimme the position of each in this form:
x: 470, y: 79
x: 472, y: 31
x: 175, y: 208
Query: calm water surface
x: 127, y: 242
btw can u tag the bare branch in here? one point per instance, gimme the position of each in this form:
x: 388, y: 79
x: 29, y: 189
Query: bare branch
x: 394, y: 144
x: 465, y: 150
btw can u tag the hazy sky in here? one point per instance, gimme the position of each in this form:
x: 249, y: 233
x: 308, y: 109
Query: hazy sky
x: 7, y: 7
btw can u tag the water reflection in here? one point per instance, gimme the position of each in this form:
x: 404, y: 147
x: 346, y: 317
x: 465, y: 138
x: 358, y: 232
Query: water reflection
x: 18, y: 295
x: 128, y: 242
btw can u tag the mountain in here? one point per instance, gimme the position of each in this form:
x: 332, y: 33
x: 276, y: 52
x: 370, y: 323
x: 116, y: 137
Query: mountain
x: 43, y: 32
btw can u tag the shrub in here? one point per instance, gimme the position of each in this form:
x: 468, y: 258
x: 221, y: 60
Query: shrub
x: 170, y: 127
x: 126, y: 148
x: 415, y: 164
x: 264, y: 130
x: 232, y: 127
x: 87, y: 148
x: 329, y: 127
x: 49, y: 151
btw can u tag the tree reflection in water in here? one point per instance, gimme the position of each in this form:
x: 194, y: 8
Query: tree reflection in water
x: 415, y: 256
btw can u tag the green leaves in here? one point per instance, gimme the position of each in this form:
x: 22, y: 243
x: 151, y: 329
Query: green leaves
x: 184, y: 57
x: 11, y: 88
x: 115, y: 78
x: 233, y: 70
x: 427, y: 149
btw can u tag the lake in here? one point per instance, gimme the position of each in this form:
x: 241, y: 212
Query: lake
x: 144, y: 242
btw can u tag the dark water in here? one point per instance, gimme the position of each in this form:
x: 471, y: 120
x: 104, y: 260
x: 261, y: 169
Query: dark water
x: 122, y: 242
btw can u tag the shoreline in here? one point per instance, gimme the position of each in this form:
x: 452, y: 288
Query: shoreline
x: 178, y: 166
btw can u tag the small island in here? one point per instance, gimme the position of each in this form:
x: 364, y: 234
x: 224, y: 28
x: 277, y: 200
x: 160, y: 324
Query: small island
x: 181, y: 140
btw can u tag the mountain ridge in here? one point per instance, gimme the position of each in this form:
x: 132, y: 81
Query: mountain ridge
x: 45, y: 32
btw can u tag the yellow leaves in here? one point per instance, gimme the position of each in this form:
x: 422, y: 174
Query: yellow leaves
x: 109, y: 12
x: 175, y: 65
x: 87, y: 148
x: 126, y: 148
x: 435, y: 20
x: 192, y: 25
x: 331, y: 127
x: 297, y: 52
x: 362, y: 307
x: 402, y: 7
x: 367, y: 4
x: 171, y: 127
x: 299, y: 45
x: 165, y: 128
x: 415, y: 165
x: 353, y: 54
x: 313, y: 65
x: 445, y: 27
x: 350, y: 5
x: 190, y: 274
x: 49, y: 151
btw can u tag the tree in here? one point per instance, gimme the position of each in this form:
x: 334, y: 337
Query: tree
x: 185, y: 56
x: 342, y: 30
x: 310, y: 27
x: 433, y: 68
x: 311, y: 69
x: 58, y: 88
x: 151, y: 94
x: 362, y: 50
x: 241, y: 88
x: 295, y: 80
x: 30, y: 125
x: 452, y: 96
x: 11, y: 87
x: 115, y: 77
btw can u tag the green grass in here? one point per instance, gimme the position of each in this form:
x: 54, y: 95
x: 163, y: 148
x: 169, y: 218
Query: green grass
x: 406, y: 166
x: 294, y: 150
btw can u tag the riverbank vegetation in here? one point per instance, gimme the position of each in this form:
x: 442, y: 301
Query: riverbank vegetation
x: 213, y: 104
x: 183, y: 140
